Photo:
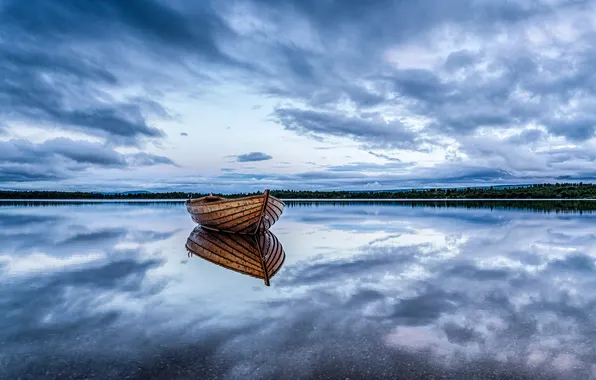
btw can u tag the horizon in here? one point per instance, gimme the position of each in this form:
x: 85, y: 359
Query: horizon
x: 402, y: 190
x: 320, y: 190
x: 121, y: 96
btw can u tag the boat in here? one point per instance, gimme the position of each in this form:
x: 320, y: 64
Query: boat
x: 248, y: 215
x: 260, y: 256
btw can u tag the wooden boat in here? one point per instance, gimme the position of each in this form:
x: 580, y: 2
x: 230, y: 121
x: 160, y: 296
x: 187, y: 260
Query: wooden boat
x: 247, y: 215
x: 259, y: 256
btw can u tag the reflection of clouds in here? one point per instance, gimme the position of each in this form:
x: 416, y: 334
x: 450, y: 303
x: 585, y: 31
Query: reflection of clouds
x: 505, y: 287
x: 41, y: 263
x: 67, y: 281
x: 63, y: 300
x: 457, y: 294
x: 23, y: 220
x: 73, y: 229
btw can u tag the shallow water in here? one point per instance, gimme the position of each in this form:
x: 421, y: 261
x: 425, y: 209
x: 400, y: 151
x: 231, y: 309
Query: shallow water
x: 108, y: 291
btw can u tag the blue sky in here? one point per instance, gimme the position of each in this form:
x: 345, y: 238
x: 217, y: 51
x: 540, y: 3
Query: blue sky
x: 304, y: 94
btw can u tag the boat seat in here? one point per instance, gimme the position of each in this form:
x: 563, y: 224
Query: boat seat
x: 213, y: 198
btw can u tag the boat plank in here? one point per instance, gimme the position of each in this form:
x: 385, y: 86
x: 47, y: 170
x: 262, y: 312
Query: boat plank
x: 279, y: 259
x: 230, y: 245
x: 234, y: 222
x: 224, y: 261
x: 207, y: 245
x: 247, y: 228
x: 221, y: 248
x: 272, y: 210
x: 235, y: 242
x: 265, y: 244
x: 222, y: 214
x: 270, y: 218
x: 244, y: 242
x: 230, y: 204
x: 278, y: 205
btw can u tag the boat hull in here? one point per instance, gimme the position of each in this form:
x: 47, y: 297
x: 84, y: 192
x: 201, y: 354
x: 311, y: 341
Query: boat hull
x: 260, y: 256
x: 248, y: 215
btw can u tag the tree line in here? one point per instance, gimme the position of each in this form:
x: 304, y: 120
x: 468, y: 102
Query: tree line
x: 537, y: 191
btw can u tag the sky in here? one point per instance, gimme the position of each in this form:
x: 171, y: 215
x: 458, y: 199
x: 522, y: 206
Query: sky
x: 243, y: 95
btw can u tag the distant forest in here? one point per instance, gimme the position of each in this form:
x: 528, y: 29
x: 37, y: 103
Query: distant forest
x: 539, y: 191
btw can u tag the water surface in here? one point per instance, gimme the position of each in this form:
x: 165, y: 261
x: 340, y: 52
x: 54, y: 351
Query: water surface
x: 379, y: 290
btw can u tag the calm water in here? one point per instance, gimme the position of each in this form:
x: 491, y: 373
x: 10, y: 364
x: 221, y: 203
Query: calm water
x: 107, y: 291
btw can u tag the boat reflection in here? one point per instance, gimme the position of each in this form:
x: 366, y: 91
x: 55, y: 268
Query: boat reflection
x: 259, y: 256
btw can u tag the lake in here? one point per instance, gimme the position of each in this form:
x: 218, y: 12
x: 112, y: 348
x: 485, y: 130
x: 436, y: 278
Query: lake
x: 107, y: 290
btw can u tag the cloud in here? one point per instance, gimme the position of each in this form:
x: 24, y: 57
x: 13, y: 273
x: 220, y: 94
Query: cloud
x: 66, y: 76
x: 456, y: 92
x: 526, y: 136
x: 455, y: 80
x: 71, y: 95
x: 372, y: 130
x: 253, y: 156
x: 146, y: 159
x: 82, y: 151
x: 183, y: 134
x: 385, y: 157
x: 61, y: 158
x: 424, y: 77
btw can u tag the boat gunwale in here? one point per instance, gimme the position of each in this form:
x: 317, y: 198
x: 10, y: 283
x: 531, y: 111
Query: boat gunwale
x: 202, y: 200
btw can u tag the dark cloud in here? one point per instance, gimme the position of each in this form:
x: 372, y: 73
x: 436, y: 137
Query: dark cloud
x: 60, y: 158
x: 29, y: 173
x: 385, y: 157
x: 373, y: 130
x: 146, y: 159
x: 253, y: 156
x: 579, y: 263
x: 527, y: 136
x: 82, y: 152
x: 576, y: 129
x: 459, y: 60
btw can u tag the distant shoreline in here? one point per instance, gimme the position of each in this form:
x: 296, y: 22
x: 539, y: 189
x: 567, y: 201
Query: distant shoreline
x: 555, y: 192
